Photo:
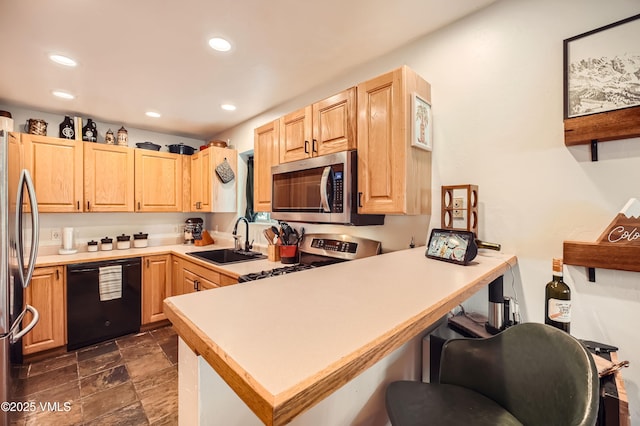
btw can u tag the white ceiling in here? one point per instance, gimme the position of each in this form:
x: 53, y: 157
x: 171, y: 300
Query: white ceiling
x: 140, y: 55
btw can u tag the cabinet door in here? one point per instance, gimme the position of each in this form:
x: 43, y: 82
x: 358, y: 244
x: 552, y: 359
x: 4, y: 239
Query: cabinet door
x: 47, y: 293
x: 56, y: 168
x: 296, y: 135
x: 265, y: 155
x: 196, y: 182
x: 334, y: 123
x: 158, y: 182
x: 393, y: 177
x: 176, y: 276
x: 156, y: 286
x: 195, y: 282
x: 380, y: 160
x: 108, y: 178
x: 222, y: 196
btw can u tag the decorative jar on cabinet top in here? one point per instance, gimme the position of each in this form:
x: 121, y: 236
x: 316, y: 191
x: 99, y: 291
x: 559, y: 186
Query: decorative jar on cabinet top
x: 67, y: 130
x: 123, y: 136
x: 90, y: 131
x: 109, y: 138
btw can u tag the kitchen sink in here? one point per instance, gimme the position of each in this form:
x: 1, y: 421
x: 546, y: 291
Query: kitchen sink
x: 224, y: 256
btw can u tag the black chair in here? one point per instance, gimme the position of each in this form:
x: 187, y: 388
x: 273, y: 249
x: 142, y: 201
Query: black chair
x: 530, y: 374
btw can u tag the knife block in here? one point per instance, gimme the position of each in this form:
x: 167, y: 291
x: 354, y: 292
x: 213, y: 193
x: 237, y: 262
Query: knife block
x: 205, y: 239
x: 273, y: 253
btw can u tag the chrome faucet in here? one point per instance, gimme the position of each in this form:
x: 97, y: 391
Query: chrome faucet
x: 236, y: 238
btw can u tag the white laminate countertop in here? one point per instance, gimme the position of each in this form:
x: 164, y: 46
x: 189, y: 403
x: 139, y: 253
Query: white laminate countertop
x: 298, y: 337
x: 233, y: 269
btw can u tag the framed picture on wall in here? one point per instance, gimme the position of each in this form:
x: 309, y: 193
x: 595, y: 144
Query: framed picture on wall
x: 602, y: 69
x: 422, y: 123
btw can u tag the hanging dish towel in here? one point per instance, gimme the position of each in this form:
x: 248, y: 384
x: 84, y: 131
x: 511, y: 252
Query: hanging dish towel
x: 225, y: 172
x: 110, y: 281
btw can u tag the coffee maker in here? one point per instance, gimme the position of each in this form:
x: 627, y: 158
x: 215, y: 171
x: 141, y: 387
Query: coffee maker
x: 192, y: 230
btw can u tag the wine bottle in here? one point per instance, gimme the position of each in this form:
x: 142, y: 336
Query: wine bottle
x: 557, y: 308
x: 487, y: 245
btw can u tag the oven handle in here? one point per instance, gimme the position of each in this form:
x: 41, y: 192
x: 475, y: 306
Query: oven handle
x: 324, y: 190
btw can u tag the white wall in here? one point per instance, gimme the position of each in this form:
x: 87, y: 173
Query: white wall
x: 496, y: 81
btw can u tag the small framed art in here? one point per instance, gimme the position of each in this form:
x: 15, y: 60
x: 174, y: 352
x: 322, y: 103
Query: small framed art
x: 422, y: 123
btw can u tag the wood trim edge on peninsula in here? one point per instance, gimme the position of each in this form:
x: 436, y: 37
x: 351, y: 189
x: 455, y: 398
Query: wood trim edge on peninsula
x: 253, y: 394
x: 280, y: 409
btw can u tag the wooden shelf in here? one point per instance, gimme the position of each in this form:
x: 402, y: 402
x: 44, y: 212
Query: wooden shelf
x: 602, y: 127
x: 601, y: 255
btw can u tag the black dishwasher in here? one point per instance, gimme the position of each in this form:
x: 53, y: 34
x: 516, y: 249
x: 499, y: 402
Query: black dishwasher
x: 103, y: 301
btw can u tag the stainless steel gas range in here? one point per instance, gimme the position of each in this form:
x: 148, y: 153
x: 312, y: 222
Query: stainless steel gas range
x: 320, y: 250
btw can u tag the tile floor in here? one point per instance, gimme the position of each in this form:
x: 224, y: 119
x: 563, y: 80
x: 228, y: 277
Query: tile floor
x: 132, y: 380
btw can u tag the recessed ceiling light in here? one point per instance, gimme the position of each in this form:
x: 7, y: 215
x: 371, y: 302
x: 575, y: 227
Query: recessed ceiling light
x: 228, y: 107
x: 220, y: 44
x: 63, y: 60
x: 62, y: 94
x: 152, y: 114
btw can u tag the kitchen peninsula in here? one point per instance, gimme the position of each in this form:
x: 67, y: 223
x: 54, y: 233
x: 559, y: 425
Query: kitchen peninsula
x: 317, y: 346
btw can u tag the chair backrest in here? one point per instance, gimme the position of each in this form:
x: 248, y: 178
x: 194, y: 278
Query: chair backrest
x: 541, y: 375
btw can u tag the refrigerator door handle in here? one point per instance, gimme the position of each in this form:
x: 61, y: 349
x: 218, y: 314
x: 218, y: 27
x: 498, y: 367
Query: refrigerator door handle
x: 25, y: 180
x: 28, y: 328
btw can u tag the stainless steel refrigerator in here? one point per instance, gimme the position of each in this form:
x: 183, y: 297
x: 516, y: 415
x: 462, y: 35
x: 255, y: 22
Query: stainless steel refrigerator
x: 18, y: 222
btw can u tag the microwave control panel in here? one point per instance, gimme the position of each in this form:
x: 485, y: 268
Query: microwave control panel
x: 338, y: 198
x: 334, y: 245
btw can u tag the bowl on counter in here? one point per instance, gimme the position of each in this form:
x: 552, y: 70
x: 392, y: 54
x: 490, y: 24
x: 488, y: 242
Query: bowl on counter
x: 180, y: 148
x: 148, y: 145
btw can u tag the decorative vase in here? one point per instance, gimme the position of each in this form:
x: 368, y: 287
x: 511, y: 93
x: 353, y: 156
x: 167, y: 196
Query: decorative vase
x: 67, y: 130
x: 109, y: 139
x: 123, y: 136
x: 90, y: 132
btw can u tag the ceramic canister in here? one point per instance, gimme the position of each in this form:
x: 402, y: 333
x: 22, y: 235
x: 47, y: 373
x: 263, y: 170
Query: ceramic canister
x: 6, y: 121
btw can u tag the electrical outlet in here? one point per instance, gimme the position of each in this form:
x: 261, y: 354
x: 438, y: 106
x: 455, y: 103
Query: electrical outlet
x: 55, y: 234
x: 458, y: 206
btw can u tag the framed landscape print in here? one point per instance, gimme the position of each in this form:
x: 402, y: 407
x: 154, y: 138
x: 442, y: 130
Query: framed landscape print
x: 602, y: 69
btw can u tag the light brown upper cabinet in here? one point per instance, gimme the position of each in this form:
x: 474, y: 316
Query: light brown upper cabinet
x: 393, y: 176
x: 56, y: 168
x: 108, y: 178
x: 158, y: 181
x: 265, y: 155
x: 208, y: 192
x: 325, y: 127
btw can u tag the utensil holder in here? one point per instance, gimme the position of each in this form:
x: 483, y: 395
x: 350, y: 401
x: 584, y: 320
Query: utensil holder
x: 289, y: 254
x: 274, y: 253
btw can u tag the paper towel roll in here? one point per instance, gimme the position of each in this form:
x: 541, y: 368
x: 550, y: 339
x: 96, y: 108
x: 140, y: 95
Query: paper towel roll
x: 67, y: 238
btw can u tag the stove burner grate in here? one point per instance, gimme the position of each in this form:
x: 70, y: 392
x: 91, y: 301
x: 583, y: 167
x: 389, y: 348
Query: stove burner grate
x: 273, y: 272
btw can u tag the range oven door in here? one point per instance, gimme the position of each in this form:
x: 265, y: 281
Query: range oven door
x: 313, y: 190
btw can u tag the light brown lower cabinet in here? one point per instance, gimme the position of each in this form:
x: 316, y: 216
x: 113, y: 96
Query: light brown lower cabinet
x: 194, y: 277
x: 47, y: 293
x: 163, y: 275
x: 156, y: 286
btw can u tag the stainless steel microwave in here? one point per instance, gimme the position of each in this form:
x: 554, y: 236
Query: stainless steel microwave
x: 321, y: 189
